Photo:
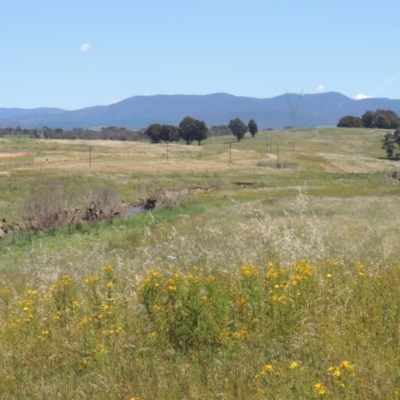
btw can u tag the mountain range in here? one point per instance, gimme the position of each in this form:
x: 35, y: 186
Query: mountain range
x: 215, y: 109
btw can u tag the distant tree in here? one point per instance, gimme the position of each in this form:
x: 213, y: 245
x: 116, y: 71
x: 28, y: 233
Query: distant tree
x: 368, y: 119
x: 169, y: 133
x: 388, y: 143
x: 350, y: 122
x: 238, y: 128
x: 153, y: 132
x: 193, y: 129
x: 253, y: 128
x: 382, y: 121
x: 386, y: 119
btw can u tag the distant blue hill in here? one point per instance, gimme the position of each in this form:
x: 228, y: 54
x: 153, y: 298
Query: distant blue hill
x: 215, y: 109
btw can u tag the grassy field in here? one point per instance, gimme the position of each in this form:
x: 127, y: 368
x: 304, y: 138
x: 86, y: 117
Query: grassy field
x: 269, y: 283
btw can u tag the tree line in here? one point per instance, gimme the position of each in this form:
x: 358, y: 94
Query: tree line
x: 194, y: 130
x: 105, y: 133
x: 380, y: 119
x: 189, y: 130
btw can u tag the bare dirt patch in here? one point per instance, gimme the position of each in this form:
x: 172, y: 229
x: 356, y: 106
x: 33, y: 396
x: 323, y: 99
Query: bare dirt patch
x: 14, y: 155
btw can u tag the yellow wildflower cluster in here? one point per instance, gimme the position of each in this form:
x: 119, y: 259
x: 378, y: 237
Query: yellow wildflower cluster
x: 273, y: 272
x: 249, y: 270
x: 279, y: 299
x: 320, y: 389
x: 171, y: 285
x: 193, y: 278
x: 43, y: 335
x: 91, y: 279
x: 153, y: 279
x: 63, y: 282
x: 301, y: 272
x: 360, y: 268
x: 266, y: 369
x: 240, y: 334
x: 108, y: 268
x: 344, y: 366
x: 83, y: 364
x: 210, y: 278
x: 86, y: 320
x: 109, y: 332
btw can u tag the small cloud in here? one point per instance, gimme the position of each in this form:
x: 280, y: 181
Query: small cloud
x: 361, y: 96
x: 319, y: 89
x: 86, y: 48
x: 109, y: 102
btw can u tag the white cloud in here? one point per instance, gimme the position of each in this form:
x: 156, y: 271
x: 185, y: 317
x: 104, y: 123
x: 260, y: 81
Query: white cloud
x: 109, y: 102
x: 319, y: 89
x: 86, y: 48
x: 361, y: 96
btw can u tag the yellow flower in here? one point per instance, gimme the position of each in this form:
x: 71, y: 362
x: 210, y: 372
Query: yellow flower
x: 239, y: 334
x: 83, y: 364
x: 267, y: 369
x: 210, y: 278
x: 329, y: 275
x: 348, y: 367
x: 85, y: 321
x: 335, y: 371
x: 108, y: 268
x: 91, y: 278
x: 249, y: 270
x: 293, y: 365
x: 320, y: 389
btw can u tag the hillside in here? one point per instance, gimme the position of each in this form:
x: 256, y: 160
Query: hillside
x: 215, y: 109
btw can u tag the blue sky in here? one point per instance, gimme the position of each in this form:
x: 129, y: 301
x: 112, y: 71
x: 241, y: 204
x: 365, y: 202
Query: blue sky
x: 79, y: 53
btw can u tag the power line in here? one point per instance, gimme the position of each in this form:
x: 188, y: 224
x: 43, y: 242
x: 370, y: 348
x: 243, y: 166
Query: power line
x: 294, y: 107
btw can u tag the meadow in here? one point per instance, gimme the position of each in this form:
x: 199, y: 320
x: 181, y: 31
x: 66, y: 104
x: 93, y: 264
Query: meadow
x: 267, y: 283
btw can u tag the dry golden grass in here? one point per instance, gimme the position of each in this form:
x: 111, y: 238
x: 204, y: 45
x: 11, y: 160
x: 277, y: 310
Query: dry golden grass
x: 328, y: 149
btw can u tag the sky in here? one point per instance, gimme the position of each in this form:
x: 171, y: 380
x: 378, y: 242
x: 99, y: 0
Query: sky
x: 72, y: 54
